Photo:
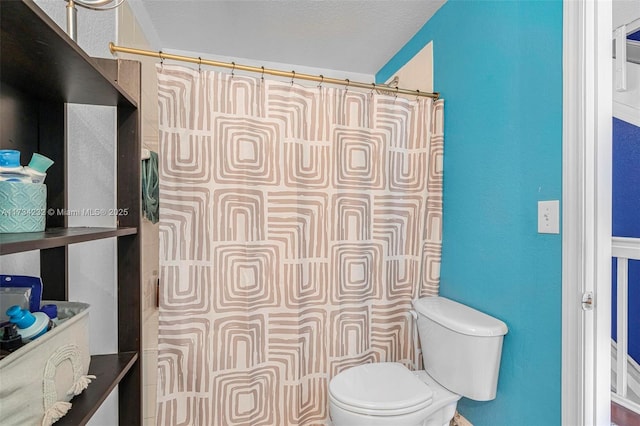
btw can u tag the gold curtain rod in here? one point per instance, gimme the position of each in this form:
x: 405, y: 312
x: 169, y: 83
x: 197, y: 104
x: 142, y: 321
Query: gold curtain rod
x: 289, y: 74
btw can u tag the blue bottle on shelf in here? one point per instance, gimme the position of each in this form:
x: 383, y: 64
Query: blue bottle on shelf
x: 30, y: 325
x: 52, y: 312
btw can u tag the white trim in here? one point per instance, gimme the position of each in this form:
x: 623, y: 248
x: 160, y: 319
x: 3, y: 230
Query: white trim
x: 626, y: 403
x: 586, y: 248
x: 626, y: 113
x: 625, y: 369
x: 622, y: 326
x: 633, y: 373
x: 620, y: 61
x: 601, y: 207
x: 633, y: 26
x: 572, y: 378
x: 633, y: 370
x: 625, y: 247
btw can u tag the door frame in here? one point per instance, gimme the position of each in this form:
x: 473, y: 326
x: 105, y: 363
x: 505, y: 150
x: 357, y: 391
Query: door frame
x: 586, y: 221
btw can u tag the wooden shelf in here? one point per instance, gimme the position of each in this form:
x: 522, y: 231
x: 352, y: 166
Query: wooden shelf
x: 39, y: 59
x: 57, y: 237
x: 41, y: 69
x: 109, y: 370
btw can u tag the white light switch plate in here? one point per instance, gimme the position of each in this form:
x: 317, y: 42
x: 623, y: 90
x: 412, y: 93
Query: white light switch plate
x: 549, y: 217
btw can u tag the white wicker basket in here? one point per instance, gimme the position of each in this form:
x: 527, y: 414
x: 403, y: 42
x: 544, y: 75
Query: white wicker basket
x: 38, y: 380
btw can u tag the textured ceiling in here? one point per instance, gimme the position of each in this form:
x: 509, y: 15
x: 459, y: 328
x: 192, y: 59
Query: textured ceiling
x: 351, y: 35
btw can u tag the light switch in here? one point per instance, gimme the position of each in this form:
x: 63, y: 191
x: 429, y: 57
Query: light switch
x: 549, y: 217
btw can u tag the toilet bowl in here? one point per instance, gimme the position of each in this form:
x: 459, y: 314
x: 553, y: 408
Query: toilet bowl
x: 461, y: 351
x: 389, y: 394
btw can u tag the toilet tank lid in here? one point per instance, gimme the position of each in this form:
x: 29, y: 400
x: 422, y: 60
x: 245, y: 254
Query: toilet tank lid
x: 458, y: 317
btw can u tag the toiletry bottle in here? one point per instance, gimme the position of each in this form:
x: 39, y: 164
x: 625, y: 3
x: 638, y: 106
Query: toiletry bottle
x: 30, y: 325
x: 52, y: 312
x: 37, y: 168
x: 10, y: 340
x: 10, y: 160
x: 10, y: 168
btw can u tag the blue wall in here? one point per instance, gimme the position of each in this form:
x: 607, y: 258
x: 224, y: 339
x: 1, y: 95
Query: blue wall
x: 626, y: 179
x: 498, y: 65
x: 626, y: 219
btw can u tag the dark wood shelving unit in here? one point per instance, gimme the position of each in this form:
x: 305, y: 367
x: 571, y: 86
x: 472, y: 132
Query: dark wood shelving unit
x: 41, y: 69
x: 57, y: 237
x: 109, y: 371
x: 45, y: 63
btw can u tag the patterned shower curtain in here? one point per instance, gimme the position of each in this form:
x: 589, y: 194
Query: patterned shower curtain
x: 297, y: 224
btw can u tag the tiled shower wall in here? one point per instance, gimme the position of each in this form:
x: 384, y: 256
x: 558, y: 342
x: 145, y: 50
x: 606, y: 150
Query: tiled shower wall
x: 130, y: 34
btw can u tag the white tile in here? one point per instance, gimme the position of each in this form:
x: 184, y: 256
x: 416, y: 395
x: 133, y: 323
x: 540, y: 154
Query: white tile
x: 150, y: 373
x: 149, y: 408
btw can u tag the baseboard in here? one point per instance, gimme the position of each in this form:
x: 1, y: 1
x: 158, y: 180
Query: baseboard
x: 458, y: 420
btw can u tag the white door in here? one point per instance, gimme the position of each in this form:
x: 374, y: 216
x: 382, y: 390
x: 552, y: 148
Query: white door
x: 586, y: 235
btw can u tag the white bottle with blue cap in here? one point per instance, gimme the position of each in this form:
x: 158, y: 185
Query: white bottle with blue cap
x: 10, y: 168
x: 30, y: 325
x: 37, y: 167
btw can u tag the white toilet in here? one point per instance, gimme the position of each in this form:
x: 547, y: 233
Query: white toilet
x: 461, y: 350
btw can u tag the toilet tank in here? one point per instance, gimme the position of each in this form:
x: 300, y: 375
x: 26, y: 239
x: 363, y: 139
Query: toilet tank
x: 461, y: 347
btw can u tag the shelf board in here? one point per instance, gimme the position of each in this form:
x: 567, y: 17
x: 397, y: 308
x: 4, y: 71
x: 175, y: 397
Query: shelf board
x: 57, y: 237
x: 109, y: 370
x: 38, y: 58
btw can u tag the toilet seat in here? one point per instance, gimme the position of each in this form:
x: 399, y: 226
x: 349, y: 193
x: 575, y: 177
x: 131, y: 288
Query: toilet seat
x: 380, y: 389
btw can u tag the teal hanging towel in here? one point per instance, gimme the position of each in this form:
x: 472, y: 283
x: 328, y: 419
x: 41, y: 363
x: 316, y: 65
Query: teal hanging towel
x: 150, y: 192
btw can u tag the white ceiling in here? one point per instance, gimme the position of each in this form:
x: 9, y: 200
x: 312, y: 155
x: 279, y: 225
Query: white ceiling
x: 357, y: 36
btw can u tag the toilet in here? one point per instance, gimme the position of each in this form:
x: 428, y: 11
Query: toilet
x: 461, y: 351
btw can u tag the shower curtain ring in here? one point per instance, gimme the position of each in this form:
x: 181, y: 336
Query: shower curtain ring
x: 293, y: 75
x: 262, y: 75
x: 199, y: 64
x: 417, y: 95
x: 233, y: 69
x: 346, y: 88
x: 397, y: 88
x: 373, y: 86
x: 321, y: 81
x: 161, y: 59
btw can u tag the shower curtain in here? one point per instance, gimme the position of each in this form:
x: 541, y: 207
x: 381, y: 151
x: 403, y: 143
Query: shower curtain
x: 297, y: 224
